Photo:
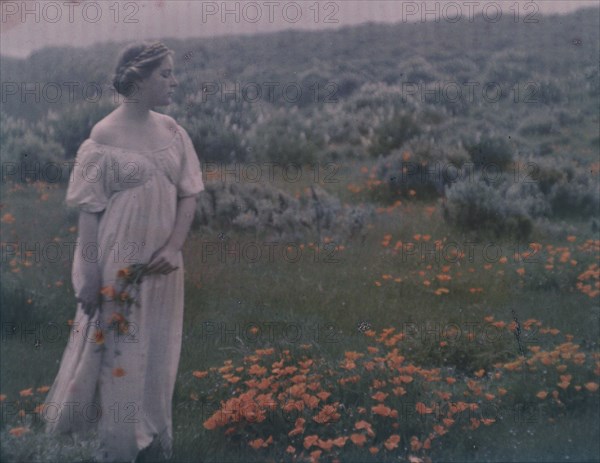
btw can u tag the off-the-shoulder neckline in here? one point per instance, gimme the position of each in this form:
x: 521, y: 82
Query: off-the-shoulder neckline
x: 137, y: 150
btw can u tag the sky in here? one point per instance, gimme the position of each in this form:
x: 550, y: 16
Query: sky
x: 31, y: 25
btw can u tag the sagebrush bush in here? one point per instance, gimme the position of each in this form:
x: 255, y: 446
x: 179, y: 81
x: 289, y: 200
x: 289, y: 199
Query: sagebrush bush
x: 508, y: 66
x: 538, y: 126
x: 580, y: 197
x: 550, y: 91
x: 72, y: 125
x: 529, y: 197
x: 33, y: 158
x: 569, y: 189
x: 482, y: 206
x: 418, y: 70
x: 422, y: 166
x: 491, y: 150
x: 393, y: 133
x: 215, y: 140
x: 266, y: 210
x: 287, y: 140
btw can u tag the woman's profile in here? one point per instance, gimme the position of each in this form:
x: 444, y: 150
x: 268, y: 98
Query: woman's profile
x: 135, y: 182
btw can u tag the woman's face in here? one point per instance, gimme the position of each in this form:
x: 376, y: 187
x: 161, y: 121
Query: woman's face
x: 159, y: 87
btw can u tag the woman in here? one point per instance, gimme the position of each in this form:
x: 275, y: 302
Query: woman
x: 135, y: 182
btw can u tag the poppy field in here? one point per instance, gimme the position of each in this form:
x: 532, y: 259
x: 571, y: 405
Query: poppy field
x: 380, y: 350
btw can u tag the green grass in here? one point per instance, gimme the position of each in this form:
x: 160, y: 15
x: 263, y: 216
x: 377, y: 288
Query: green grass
x: 310, y: 297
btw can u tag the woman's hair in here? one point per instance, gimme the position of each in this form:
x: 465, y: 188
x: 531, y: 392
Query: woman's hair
x: 136, y: 62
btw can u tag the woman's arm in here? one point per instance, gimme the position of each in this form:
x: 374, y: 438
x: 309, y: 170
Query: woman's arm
x: 89, y: 295
x: 186, y: 208
x: 164, y: 260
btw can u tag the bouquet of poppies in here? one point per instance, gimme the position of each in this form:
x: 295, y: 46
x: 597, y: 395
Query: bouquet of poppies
x: 125, y: 293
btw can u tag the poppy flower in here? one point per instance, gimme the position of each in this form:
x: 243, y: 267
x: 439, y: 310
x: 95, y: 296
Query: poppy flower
x: 309, y: 441
x: 118, y: 372
x: 19, y: 431
x: 358, y: 439
x: 392, y: 442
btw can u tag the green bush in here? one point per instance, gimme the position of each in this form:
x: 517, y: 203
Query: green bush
x: 287, y: 140
x: 418, y: 70
x: 570, y: 190
x: 480, y: 206
x: 538, y: 126
x: 33, y: 159
x: 73, y: 125
x: 577, y: 198
x: 268, y: 211
x: 393, y: 133
x: 491, y: 150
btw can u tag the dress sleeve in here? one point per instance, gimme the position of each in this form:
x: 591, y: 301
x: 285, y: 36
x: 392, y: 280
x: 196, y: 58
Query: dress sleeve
x: 88, y: 185
x: 190, y: 178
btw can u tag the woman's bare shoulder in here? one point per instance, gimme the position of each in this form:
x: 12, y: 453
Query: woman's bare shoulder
x: 109, y: 129
x: 104, y: 130
x: 168, y: 121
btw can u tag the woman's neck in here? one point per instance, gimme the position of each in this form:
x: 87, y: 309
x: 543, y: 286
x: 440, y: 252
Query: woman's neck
x: 136, y: 111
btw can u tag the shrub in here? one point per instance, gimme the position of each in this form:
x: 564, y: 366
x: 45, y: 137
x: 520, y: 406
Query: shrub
x: 73, y: 125
x: 509, y: 67
x: 546, y: 172
x: 550, y: 92
x: 34, y: 158
x: 460, y: 69
x: 570, y: 190
x: 287, y: 140
x: 393, y: 133
x: 580, y: 197
x: 418, y: 70
x: 421, y: 166
x: 478, y: 205
x: 489, y: 151
x: 543, y: 126
x: 214, y: 140
x: 529, y: 197
x: 315, y: 88
x: 266, y: 210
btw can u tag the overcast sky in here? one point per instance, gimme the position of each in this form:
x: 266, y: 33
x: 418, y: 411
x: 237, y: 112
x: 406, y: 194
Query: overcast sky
x: 85, y: 22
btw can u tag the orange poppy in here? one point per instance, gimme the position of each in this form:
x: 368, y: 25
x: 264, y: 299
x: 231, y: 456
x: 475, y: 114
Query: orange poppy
x: 109, y: 292
x: 415, y: 444
x: 118, y: 372
x: 392, y: 442
x: 26, y: 392
x: 358, y: 439
x: 379, y: 396
x: 422, y: 409
x: 591, y: 386
x: 19, y: 431
x: 381, y: 409
x: 124, y: 272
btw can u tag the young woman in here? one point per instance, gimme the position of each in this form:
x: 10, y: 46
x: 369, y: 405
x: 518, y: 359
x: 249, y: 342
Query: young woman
x: 135, y: 182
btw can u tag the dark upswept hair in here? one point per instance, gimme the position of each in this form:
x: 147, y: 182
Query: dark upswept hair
x: 137, y: 61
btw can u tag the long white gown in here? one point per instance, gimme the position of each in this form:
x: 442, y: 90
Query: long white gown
x: 124, y: 386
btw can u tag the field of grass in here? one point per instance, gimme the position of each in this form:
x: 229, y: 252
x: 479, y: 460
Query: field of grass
x: 329, y: 315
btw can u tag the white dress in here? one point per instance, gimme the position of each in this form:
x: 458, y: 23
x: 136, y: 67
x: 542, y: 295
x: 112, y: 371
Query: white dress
x: 124, y: 386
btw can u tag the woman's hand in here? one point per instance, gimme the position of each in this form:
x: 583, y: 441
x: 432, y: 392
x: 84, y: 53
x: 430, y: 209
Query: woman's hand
x: 163, y: 261
x: 89, y: 295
